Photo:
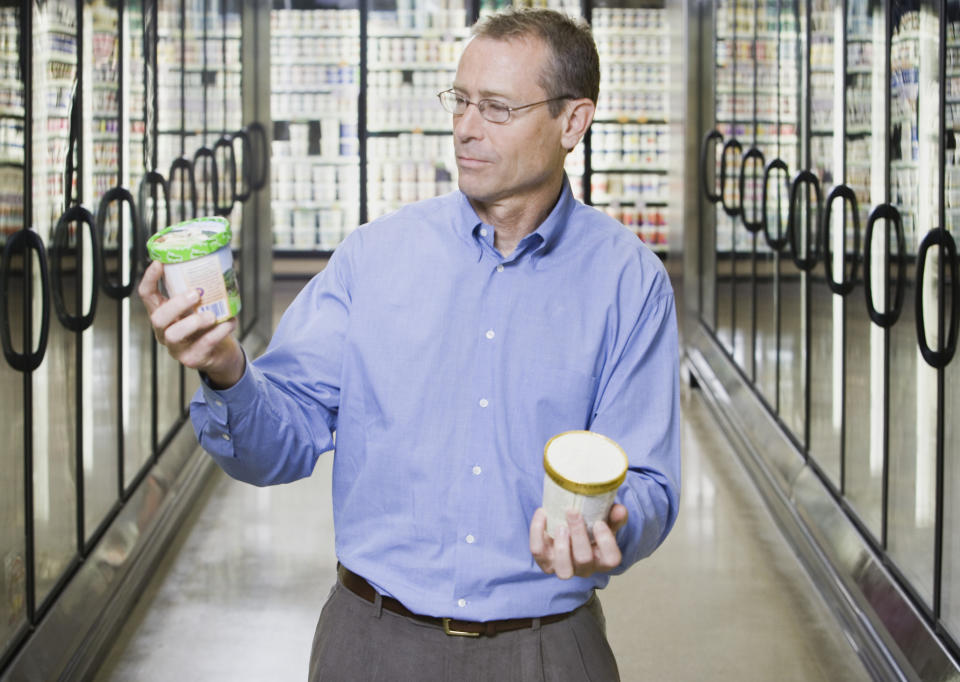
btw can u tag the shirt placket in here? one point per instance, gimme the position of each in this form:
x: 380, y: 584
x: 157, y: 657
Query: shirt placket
x: 483, y: 400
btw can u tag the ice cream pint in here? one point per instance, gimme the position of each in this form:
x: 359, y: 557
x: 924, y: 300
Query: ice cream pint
x: 196, y: 255
x: 583, y: 471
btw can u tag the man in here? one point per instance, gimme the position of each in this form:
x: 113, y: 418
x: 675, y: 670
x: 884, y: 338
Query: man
x: 445, y: 344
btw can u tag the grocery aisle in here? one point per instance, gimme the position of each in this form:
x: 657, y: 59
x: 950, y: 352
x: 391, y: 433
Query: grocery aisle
x: 724, y: 598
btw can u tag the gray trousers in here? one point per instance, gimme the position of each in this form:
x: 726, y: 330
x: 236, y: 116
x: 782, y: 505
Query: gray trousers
x: 357, y: 641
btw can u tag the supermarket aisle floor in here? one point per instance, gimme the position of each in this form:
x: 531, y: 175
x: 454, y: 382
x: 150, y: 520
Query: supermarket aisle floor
x: 725, y: 598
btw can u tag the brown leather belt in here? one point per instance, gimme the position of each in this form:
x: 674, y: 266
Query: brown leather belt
x: 451, y: 626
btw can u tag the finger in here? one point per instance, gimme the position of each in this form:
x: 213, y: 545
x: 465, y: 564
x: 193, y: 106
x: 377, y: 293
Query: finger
x: 188, y: 329
x: 174, y: 309
x: 607, y: 551
x: 538, y: 532
x: 617, y: 518
x: 562, y: 562
x: 148, y: 290
x: 581, y: 548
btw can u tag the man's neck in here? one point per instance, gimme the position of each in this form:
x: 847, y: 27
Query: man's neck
x: 515, y: 218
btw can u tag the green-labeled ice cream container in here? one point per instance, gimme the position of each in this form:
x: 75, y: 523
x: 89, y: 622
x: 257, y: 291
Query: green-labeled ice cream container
x: 196, y: 255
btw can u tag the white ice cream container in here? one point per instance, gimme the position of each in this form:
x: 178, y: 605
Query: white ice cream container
x: 583, y: 472
x: 196, y: 255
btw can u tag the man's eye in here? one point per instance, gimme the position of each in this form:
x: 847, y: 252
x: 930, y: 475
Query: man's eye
x: 495, y: 107
x: 460, y: 100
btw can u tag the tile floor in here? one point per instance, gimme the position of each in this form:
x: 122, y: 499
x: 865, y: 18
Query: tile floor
x: 724, y: 598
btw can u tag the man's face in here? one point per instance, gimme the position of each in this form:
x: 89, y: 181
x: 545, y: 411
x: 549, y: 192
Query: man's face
x: 513, y: 160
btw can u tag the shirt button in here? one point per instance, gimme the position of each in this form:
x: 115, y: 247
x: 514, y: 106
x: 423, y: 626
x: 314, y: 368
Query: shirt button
x: 484, y: 402
x: 470, y: 539
x: 499, y: 268
x: 225, y: 436
x: 461, y: 603
x: 483, y: 232
x: 490, y: 334
x: 219, y: 403
x: 476, y: 470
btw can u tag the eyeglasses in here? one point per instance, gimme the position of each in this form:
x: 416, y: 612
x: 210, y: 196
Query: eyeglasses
x: 490, y: 109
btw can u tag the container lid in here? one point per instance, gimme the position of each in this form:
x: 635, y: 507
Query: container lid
x: 190, y: 239
x: 585, y: 462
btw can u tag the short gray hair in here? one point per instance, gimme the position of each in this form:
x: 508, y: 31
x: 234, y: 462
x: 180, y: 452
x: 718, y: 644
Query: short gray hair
x: 574, y: 67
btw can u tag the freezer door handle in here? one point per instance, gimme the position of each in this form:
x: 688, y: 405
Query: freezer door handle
x: 256, y: 130
x: 120, y: 291
x: 185, y: 166
x: 226, y: 143
x: 26, y: 361
x: 61, y: 233
x: 210, y: 180
x: 843, y: 287
x: 153, y: 179
x: 753, y: 226
x: 704, y: 171
x: 246, y: 151
x: 733, y: 144
x: 778, y: 243
x: 809, y: 261
x: 938, y: 359
x: 890, y: 213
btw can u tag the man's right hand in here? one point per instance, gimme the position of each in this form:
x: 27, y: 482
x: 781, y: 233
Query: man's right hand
x: 192, y: 338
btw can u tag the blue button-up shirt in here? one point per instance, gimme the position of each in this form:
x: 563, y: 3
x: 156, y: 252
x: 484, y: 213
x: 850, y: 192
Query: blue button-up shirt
x: 444, y: 367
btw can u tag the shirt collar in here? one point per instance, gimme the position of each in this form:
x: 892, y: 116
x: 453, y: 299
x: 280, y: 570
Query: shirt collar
x: 540, y: 242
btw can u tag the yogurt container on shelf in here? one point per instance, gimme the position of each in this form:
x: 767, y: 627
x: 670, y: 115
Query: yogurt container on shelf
x: 583, y: 472
x: 196, y: 255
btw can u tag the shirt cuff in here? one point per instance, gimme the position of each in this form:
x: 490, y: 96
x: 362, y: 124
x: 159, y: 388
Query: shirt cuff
x: 222, y: 402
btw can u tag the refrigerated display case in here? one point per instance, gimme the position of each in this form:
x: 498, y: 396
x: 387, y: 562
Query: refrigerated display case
x: 840, y: 383
x: 99, y: 463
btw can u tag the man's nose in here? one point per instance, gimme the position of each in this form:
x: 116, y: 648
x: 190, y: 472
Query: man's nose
x: 469, y: 124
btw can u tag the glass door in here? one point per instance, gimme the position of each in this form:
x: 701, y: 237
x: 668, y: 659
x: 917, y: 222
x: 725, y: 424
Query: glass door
x: 315, y: 81
x: 914, y: 191
x: 55, y: 386
x: 631, y: 152
x: 865, y: 163
x: 13, y: 549
x: 950, y: 575
x: 412, y: 51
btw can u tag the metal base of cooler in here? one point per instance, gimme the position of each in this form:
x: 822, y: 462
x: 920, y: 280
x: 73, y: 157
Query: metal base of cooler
x: 891, y: 637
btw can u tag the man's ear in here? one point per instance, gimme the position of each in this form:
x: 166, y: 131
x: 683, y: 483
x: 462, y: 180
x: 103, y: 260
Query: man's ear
x: 578, y: 117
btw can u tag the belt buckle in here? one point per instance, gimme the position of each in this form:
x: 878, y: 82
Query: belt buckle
x: 456, y: 633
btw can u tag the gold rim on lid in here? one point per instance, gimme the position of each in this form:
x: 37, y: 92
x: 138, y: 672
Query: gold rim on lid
x: 585, y: 488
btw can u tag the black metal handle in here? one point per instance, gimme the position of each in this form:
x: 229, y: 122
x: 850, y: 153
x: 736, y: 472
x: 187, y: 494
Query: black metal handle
x: 184, y: 165
x: 150, y: 180
x: 889, y: 318
x: 207, y: 153
x: 938, y: 359
x: 807, y: 263
x: 246, y: 150
x: 778, y: 243
x: 61, y: 233
x: 753, y: 226
x: 256, y: 130
x: 704, y: 171
x: 73, y: 136
x: 26, y: 361
x: 226, y: 143
x: 732, y: 211
x: 119, y: 291
x: 842, y: 287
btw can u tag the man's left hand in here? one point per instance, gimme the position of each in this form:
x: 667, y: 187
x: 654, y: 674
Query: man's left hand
x: 571, y: 552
